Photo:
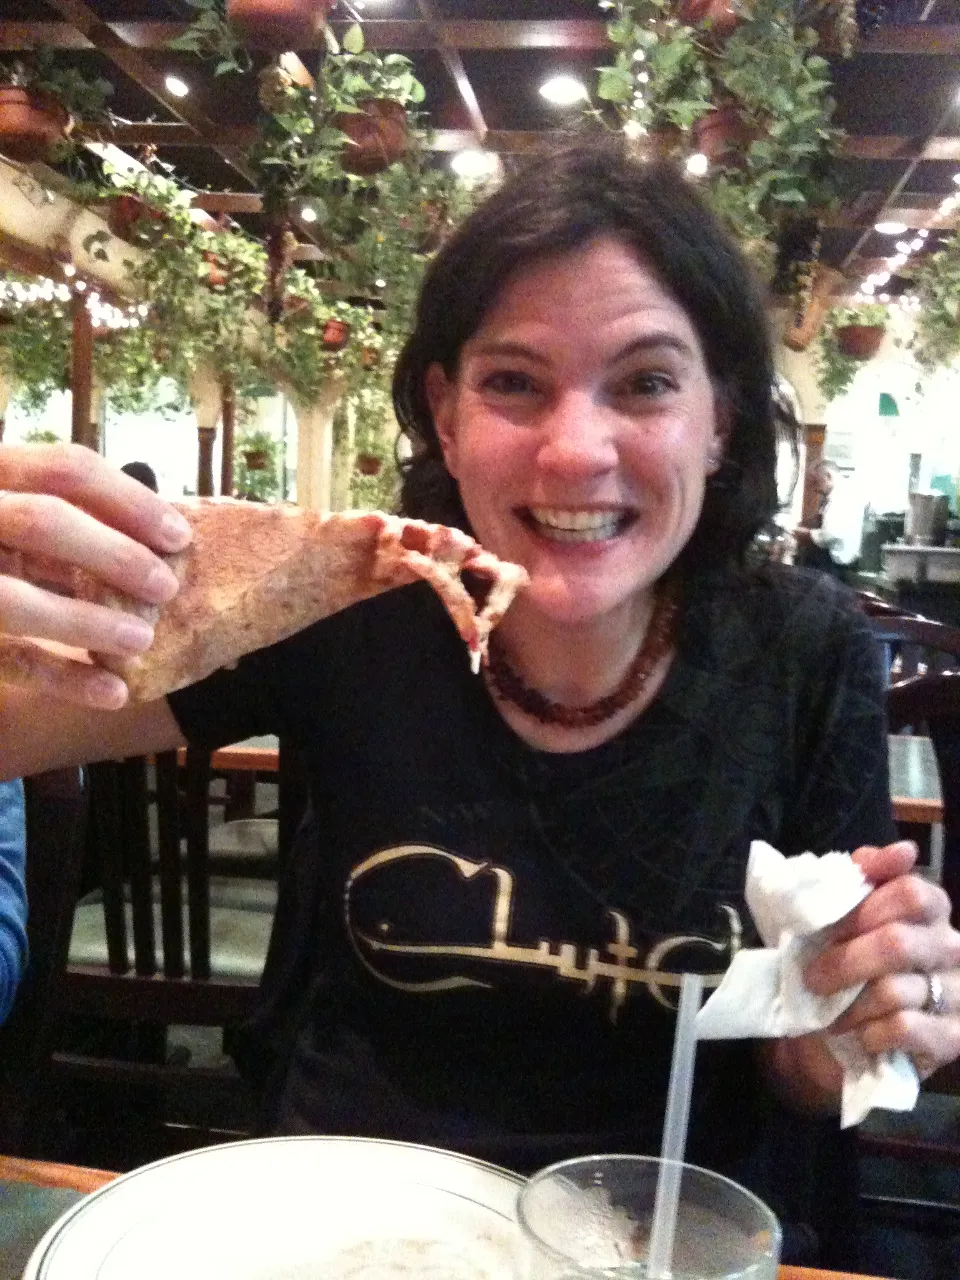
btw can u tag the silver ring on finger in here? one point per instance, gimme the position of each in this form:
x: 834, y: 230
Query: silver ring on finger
x: 936, y: 1001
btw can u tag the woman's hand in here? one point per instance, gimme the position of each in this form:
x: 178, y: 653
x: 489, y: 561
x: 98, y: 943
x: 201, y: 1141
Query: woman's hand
x: 62, y: 508
x: 899, y: 942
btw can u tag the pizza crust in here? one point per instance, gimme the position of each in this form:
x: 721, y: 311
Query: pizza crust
x: 255, y: 574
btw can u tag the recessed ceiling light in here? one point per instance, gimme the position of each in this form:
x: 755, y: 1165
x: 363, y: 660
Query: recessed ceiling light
x: 916, y: 243
x: 902, y: 246
x: 179, y: 88
x: 697, y: 164
x: 563, y: 91
x: 891, y: 228
x: 308, y: 213
x: 475, y: 164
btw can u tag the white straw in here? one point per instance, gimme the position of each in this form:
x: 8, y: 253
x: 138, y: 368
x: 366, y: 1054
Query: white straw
x: 663, y: 1229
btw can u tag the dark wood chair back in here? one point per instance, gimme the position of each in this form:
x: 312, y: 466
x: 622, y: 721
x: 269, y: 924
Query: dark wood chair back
x: 160, y: 962
x: 118, y: 832
x: 916, y: 646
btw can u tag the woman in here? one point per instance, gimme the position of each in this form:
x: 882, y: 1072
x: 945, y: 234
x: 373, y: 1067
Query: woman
x: 513, y: 866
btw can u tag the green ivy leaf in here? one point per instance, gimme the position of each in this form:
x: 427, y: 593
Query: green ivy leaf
x: 353, y: 39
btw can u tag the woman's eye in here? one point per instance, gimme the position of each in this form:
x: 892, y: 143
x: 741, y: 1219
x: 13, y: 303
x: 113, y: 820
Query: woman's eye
x: 508, y: 382
x: 648, y: 384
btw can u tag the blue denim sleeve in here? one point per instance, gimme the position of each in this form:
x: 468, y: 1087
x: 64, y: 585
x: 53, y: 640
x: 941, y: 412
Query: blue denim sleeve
x: 13, y: 892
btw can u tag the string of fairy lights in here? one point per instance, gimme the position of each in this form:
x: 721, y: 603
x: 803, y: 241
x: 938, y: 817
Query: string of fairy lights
x: 15, y: 295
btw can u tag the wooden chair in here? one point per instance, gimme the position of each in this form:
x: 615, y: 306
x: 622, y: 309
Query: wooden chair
x: 929, y: 1135
x: 916, y: 646
x: 162, y: 943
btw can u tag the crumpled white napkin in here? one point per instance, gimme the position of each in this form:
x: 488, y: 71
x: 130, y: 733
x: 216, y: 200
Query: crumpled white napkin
x: 792, y: 901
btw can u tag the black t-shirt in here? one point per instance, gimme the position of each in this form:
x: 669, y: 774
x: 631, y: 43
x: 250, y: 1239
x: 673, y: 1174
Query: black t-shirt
x: 497, y: 921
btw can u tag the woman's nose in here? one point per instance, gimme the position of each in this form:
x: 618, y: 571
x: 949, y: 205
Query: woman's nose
x: 577, y: 437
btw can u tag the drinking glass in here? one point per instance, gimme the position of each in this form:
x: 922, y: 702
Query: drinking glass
x: 590, y: 1218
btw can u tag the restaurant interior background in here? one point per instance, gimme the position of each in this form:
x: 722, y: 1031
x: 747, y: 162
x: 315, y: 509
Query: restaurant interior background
x: 253, y: 269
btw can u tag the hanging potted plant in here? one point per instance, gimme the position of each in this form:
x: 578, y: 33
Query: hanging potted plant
x: 41, y: 102
x: 936, y: 323
x: 335, y: 334
x: 278, y: 25
x: 836, y: 366
x: 256, y: 466
x: 368, y: 95
x: 859, y: 329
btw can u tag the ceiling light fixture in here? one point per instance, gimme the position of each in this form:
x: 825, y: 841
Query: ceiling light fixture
x: 916, y: 244
x: 633, y: 130
x: 902, y: 246
x: 697, y: 164
x: 563, y: 90
x: 891, y: 228
x: 179, y: 88
x: 475, y: 164
x: 308, y: 213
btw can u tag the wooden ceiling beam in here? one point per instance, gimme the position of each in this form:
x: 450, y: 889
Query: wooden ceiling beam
x: 450, y: 56
x: 896, y: 147
x: 466, y: 34
x: 519, y: 141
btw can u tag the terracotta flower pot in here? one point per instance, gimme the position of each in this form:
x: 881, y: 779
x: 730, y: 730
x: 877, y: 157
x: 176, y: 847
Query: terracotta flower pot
x: 256, y: 459
x: 718, y: 16
x: 278, y: 25
x: 125, y: 211
x: 336, y: 335
x: 370, y: 357
x: 217, y: 276
x: 30, y: 122
x: 368, y: 464
x: 860, y: 341
x: 724, y: 134
x: 378, y: 136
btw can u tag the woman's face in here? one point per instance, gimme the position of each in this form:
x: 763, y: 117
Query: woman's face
x: 581, y: 427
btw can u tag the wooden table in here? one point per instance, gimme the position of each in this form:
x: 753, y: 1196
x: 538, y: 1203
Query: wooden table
x: 914, y: 779
x: 255, y: 755
x: 42, y: 1174
x: 915, y: 790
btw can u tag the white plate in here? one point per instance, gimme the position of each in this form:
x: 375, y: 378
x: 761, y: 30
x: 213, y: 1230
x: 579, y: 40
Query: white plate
x: 292, y: 1209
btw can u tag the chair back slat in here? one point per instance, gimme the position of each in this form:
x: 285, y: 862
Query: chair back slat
x: 135, y: 834
x: 198, y: 861
x: 170, y: 864
x: 106, y: 845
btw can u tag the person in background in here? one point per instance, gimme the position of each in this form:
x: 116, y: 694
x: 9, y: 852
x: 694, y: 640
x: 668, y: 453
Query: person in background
x: 141, y: 471
x: 832, y: 543
x: 13, y: 893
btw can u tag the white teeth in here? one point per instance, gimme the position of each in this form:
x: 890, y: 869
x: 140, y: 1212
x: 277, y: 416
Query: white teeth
x: 576, y: 526
x: 557, y: 518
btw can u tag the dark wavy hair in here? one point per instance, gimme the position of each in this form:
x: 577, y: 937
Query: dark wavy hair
x: 559, y: 202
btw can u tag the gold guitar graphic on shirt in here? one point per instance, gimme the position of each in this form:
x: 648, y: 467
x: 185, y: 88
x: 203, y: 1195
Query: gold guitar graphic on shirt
x: 615, y: 963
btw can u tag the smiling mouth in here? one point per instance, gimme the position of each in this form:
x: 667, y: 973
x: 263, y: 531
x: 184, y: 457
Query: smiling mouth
x: 562, y: 525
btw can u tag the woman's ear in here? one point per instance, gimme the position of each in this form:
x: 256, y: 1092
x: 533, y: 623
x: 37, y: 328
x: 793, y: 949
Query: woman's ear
x: 441, y: 397
x: 722, y: 428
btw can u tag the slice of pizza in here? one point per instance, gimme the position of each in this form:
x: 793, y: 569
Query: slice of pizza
x: 255, y: 574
